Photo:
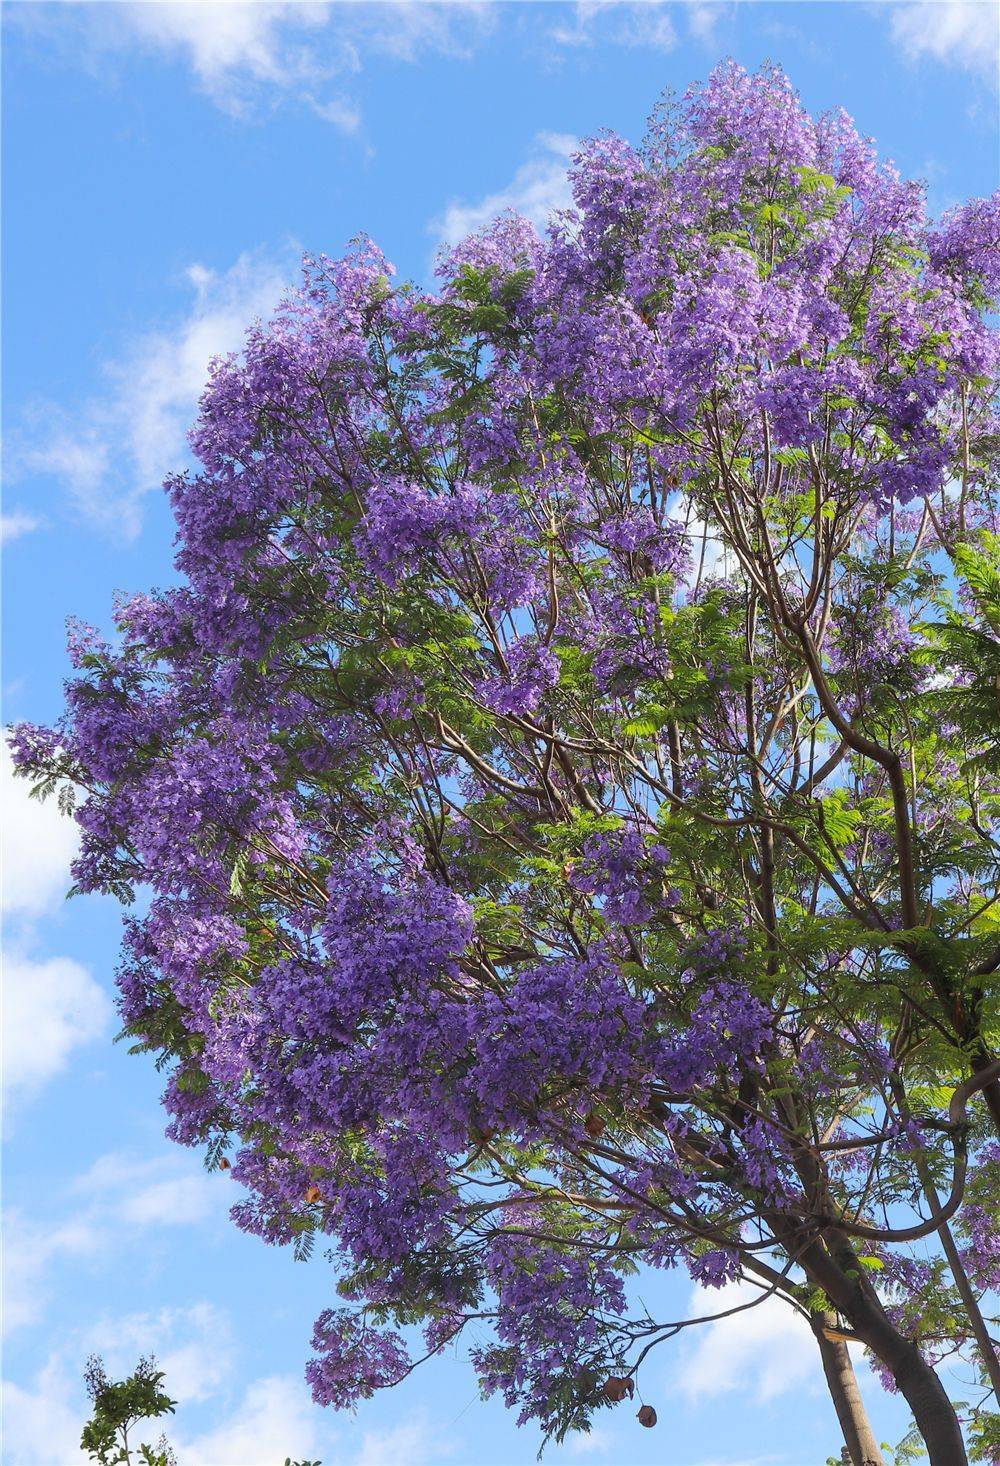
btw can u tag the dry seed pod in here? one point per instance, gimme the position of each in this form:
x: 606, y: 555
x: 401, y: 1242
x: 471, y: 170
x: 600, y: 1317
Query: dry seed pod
x: 314, y: 1194
x: 647, y: 1416
x: 594, y: 1126
x: 617, y: 1387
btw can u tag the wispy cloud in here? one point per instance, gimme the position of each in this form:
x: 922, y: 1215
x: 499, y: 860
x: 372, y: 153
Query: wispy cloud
x: 98, y: 1218
x: 962, y: 33
x: 250, y: 56
x: 654, y: 25
x: 579, y: 24
x: 703, y: 17
x: 117, y: 447
x: 15, y: 525
x: 538, y: 189
x: 30, y: 1251
x: 165, y: 1191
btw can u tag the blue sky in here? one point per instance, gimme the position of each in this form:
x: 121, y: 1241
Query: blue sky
x: 164, y: 167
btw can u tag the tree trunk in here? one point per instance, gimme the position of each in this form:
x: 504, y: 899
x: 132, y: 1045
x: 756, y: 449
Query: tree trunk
x: 917, y: 1383
x: 932, y: 1410
x: 834, y: 1267
x: 859, y: 1437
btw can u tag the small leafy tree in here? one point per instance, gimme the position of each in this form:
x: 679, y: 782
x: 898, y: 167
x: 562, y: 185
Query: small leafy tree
x: 567, y: 778
x: 119, y: 1405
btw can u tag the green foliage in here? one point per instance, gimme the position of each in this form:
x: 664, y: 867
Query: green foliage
x: 118, y: 1406
x: 910, y: 1448
x: 984, y: 1436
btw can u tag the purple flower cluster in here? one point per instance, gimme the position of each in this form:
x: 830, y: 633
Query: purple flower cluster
x: 354, y: 1359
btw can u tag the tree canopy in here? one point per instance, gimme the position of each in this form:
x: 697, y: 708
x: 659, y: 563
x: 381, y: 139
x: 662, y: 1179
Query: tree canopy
x: 565, y: 779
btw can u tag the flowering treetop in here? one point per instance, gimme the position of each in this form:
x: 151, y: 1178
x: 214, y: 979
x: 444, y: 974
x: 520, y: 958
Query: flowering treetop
x: 566, y: 776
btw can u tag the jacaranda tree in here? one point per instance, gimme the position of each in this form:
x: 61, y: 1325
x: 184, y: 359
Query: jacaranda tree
x: 565, y: 780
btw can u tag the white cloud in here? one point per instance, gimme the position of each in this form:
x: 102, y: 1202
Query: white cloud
x: 13, y: 526
x: 767, y: 1350
x: 51, y: 1007
x: 43, y: 1423
x: 176, y: 1202
x: 77, y: 453
x: 963, y: 33
x: 242, y: 54
x: 163, y: 1191
x: 709, y: 556
x: 276, y: 1418
x: 538, y: 189
x: 37, y: 844
x: 595, y: 1442
x: 122, y: 444
x: 230, y: 42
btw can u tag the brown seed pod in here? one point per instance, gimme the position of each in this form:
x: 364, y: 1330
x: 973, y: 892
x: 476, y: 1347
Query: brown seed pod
x: 314, y: 1194
x: 225, y: 1165
x: 594, y: 1126
x: 646, y: 1416
x: 617, y: 1386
